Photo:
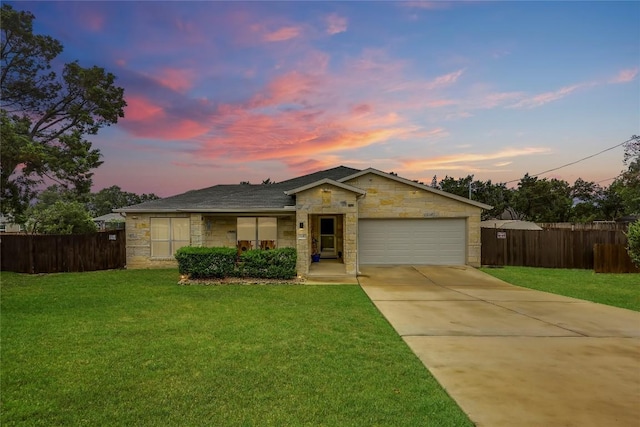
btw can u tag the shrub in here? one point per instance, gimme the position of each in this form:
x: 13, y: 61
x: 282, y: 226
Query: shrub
x: 633, y: 238
x: 271, y: 264
x: 201, y: 263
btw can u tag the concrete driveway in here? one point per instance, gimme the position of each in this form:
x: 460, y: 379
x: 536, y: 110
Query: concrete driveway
x: 511, y: 356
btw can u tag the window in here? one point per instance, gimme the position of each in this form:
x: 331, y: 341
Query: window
x: 254, y: 233
x: 168, y: 235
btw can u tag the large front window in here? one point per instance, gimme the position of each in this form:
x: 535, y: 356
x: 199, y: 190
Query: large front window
x: 257, y: 233
x: 168, y: 235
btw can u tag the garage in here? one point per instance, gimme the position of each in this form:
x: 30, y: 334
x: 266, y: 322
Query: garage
x: 412, y: 241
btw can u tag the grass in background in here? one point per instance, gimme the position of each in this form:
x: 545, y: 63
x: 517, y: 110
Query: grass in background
x: 619, y: 290
x: 134, y: 348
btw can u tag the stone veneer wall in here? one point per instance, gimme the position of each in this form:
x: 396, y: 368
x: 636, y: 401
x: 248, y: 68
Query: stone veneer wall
x: 222, y: 231
x: 335, y: 201
x: 205, y: 230
x: 387, y: 198
x: 138, y: 229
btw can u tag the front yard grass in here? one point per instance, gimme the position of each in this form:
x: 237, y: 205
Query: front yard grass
x: 134, y: 348
x: 619, y: 290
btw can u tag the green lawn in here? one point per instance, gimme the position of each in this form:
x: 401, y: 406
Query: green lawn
x: 134, y: 348
x: 619, y: 290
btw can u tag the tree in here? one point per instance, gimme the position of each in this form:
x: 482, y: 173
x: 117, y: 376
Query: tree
x: 44, y: 117
x: 496, y: 195
x: 62, y: 217
x: 586, y: 198
x: 542, y: 200
x: 459, y: 187
x: 627, y: 185
x: 107, y: 199
x: 610, y: 204
x: 633, y: 239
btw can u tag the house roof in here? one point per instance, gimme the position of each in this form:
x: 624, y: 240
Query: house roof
x: 239, y: 197
x: 269, y: 197
x: 110, y: 217
x: 510, y: 224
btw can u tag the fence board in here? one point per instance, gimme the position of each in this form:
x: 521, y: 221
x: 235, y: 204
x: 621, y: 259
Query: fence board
x: 556, y: 248
x: 62, y: 253
x: 611, y: 258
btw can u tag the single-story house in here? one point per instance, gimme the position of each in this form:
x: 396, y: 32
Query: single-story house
x: 110, y: 221
x: 8, y: 226
x: 357, y: 217
x: 510, y: 224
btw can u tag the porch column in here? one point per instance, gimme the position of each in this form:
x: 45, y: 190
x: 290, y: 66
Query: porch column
x: 195, y: 221
x: 350, y: 242
x: 303, y: 236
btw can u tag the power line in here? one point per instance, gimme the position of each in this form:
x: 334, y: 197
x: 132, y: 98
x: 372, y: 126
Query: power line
x: 577, y: 161
x: 608, y: 179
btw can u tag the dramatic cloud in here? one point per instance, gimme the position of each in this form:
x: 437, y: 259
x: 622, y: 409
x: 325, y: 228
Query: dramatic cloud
x: 148, y: 120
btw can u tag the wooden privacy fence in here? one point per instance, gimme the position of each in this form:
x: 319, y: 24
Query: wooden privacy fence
x: 608, y: 258
x: 548, y: 248
x: 23, y: 253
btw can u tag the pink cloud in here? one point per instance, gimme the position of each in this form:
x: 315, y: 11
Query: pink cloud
x: 179, y: 80
x: 427, y: 5
x: 244, y: 134
x: 282, y: 34
x: 625, y: 76
x: 461, y: 160
x: 546, y: 97
x: 145, y: 119
x: 93, y: 20
x: 139, y: 109
x: 292, y: 87
x: 336, y: 24
x: 446, y: 79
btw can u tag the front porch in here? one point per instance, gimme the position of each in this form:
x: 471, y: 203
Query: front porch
x: 330, y: 271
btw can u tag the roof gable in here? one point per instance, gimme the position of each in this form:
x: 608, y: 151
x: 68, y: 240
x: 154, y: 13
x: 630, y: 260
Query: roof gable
x: 416, y: 185
x: 326, y: 181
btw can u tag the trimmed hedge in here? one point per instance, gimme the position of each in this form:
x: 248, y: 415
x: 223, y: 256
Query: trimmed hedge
x: 201, y: 263
x: 271, y: 264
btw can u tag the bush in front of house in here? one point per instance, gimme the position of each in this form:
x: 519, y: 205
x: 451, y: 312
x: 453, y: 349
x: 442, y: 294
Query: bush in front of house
x: 270, y: 264
x: 200, y: 263
x: 218, y: 263
x: 633, y: 239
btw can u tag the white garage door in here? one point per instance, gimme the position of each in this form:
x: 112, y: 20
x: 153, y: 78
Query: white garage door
x: 412, y: 241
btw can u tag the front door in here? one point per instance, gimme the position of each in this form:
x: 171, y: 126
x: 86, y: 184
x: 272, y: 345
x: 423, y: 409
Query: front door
x: 327, y: 236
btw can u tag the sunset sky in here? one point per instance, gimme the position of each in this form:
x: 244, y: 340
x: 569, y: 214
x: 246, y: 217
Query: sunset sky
x: 223, y: 92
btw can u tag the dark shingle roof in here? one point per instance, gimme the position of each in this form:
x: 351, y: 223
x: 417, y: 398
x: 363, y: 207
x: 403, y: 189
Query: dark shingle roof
x: 239, y: 196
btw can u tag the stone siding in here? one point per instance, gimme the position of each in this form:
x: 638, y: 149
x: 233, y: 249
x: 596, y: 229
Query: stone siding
x: 138, y: 229
x: 221, y: 231
x: 205, y: 230
x: 387, y: 198
x: 327, y: 200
